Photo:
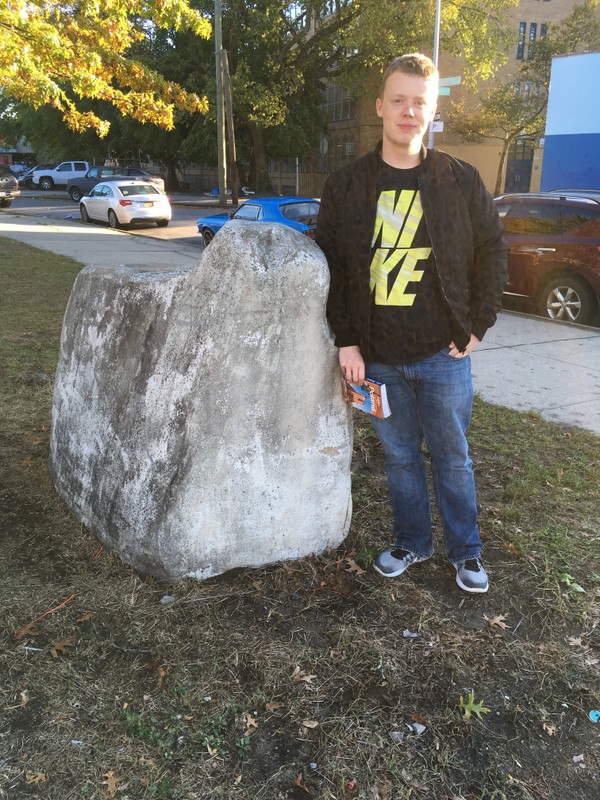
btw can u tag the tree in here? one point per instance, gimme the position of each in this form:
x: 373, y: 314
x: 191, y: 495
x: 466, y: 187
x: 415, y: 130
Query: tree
x: 281, y: 54
x: 56, y: 54
x: 510, y: 110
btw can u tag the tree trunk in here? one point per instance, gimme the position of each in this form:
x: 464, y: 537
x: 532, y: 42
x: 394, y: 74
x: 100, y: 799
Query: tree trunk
x: 172, y: 181
x: 503, y: 156
x: 259, y: 174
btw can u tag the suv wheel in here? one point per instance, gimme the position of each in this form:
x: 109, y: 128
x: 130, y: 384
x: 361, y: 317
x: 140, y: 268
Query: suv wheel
x: 5, y: 203
x: 76, y: 194
x: 568, y: 298
x: 46, y: 184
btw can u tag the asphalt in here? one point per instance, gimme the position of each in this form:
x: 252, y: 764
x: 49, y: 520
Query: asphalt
x: 524, y: 362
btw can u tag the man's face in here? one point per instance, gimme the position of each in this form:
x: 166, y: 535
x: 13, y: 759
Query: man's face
x: 406, y: 108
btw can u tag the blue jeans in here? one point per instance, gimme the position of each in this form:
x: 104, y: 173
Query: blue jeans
x: 430, y: 400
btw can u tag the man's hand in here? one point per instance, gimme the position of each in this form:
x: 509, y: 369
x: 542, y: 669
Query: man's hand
x: 352, y: 363
x: 456, y: 353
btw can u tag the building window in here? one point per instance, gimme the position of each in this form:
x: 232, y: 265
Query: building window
x: 543, y: 30
x: 521, y: 41
x: 532, y: 37
x: 338, y: 103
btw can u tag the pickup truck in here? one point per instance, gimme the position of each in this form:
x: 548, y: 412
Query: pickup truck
x: 49, y: 178
x: 83, y: 184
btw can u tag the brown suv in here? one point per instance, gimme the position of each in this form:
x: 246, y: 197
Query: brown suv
x: 554, y: 255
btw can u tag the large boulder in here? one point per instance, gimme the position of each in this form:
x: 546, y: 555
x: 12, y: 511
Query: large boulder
x: 197, y: 423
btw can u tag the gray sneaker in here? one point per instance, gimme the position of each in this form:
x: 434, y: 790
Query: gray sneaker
x: 471, y: 576
x: 394, y: 562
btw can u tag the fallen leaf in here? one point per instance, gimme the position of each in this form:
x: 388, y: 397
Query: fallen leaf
x: 384, y: 791
x: 85, y: 617
x: 417, y: 718
x: 28, y: 630
x: 112, y: 779
x: 272, y: 706
x: 38, y: 441
x: 497, y: 622
x: 237, y: 779
x: 162, y: 670
x: 310, y: 723
x: 28, y: 461
x: 299, y: 782
x: 471, y: 707
x: 250, y: 725
x: 575, y: 641
x: 354, y: 567
x: 35, y: 777
x: 510, y: 548
x: 550, y: 729
x: 298, y: 676
x: 61, y: 647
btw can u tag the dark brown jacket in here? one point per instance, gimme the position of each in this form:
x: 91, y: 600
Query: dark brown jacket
x: 466, y: 234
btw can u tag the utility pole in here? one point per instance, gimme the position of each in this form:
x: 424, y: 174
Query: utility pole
x: 233, y: 176
x: 221, y: 153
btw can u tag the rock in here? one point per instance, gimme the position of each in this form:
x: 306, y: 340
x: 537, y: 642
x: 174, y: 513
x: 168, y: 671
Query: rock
x: 197, y: 423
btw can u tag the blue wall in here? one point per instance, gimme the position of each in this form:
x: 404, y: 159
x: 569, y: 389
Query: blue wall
x: 571, y: 162
x: 572, y: 142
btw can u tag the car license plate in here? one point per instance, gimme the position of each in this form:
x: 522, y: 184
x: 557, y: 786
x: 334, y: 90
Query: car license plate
x: 148, y: 205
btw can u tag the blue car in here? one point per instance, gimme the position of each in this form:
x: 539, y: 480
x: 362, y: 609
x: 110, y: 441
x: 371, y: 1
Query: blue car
x: 299, y: 213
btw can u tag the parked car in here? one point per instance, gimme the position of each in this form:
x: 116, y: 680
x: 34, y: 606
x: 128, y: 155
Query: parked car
x: 78, y: 187
x: 299, y: 213
x: 9, y: 186
x: 26, y: 179
x: 554, y: 257
x: 151, y: 177
x: 59, y: 175
x: 125, y: 202
x: 83, y: 184
x: 594, y: 194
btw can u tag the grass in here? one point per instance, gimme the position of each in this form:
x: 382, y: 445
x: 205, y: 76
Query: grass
x: 301, y: 679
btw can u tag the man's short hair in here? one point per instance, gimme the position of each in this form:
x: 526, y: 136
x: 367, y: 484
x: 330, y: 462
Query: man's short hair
x: 410, y: 64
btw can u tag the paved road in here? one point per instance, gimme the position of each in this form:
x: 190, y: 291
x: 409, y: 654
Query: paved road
x: 59, y: 207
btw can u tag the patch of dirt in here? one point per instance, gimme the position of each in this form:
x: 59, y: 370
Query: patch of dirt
x: 304, y: 679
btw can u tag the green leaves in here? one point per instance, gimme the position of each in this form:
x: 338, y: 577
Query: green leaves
x: 56, y: 54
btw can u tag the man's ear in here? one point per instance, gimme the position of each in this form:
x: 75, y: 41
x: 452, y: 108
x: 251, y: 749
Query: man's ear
x: 378, y: 106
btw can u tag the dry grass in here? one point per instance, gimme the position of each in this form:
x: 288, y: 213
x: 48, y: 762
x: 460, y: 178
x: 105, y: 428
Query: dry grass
x: 297, y: 680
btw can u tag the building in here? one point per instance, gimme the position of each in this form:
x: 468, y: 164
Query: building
x: 355, y: 128
x: 572, y: 137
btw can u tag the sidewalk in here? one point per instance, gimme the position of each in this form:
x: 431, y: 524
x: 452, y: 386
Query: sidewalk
x: 524, y: 362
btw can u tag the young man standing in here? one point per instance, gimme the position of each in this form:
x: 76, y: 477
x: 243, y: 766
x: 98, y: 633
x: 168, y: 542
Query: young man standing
x: 417, y: 257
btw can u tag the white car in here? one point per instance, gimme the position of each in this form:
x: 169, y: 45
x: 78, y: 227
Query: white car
x: 125, y: 202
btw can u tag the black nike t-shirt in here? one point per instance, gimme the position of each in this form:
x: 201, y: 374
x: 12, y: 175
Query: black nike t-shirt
x: 410, y: 320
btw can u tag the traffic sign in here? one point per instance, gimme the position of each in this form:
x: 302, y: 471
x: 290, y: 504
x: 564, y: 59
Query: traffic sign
x: 454, y: 81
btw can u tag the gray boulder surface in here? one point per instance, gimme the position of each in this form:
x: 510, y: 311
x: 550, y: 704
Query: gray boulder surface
x: 197, y: 421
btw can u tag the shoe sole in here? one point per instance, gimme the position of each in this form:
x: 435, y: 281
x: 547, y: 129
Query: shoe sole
x: 472, y: 589
x: 397, y: 572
